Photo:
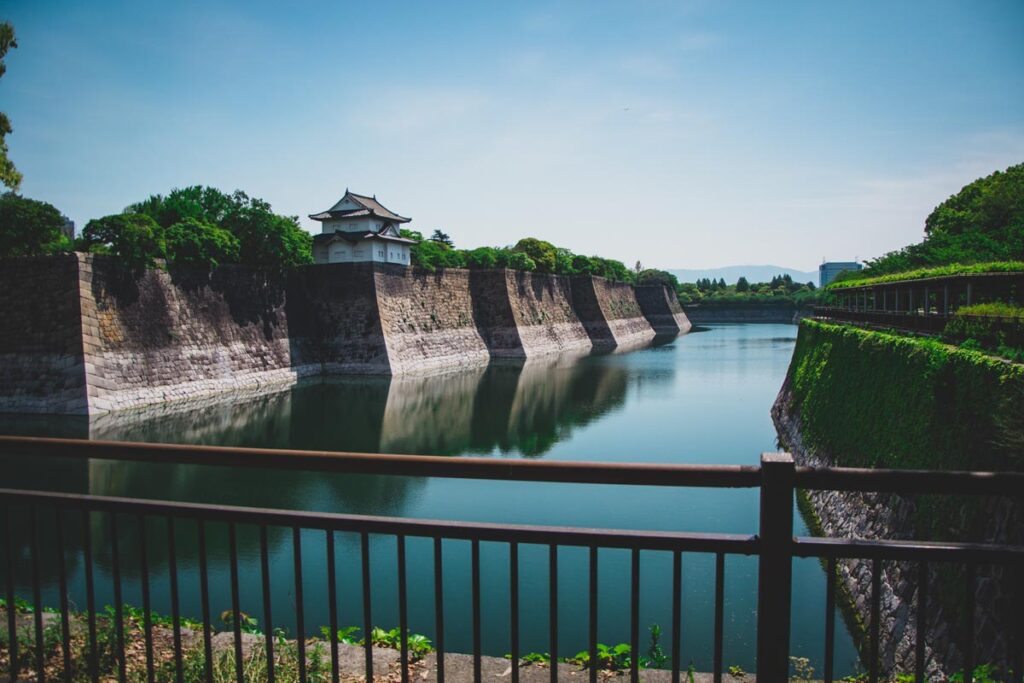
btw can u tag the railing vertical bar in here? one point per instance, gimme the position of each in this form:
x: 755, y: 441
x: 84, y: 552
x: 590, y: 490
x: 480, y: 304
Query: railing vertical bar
x: 876, y: 600
x: 513, y: 583
x: 37, y: 599
x: 634, y: 616
x: 204, y: 596
x: 439, y: 606
x: 403, y: 611
x: 475, y: 576
x: 62, y: 580
x: 922, y: 621
x: 677, y: 614
x: 367, y: 608
x: 236, y: 611
x: 553, y: 609
x: 300, y: 621
x: 268, y: 617
x: 115, y: 570
x: 969, y: 581
x: 719, y: 613
x: 172, y: 578
x: 332, y: 605
x: 830, y: 618
x: 90, y: 594
x: 1017, y: 660
x: 592, y: 640
x: 147, y: 617
x: 12, y: 617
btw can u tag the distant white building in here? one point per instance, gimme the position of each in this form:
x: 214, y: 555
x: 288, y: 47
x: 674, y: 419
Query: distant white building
x: 359, y: 229
x: 828, y: 271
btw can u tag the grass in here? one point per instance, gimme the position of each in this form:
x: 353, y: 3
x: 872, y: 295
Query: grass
x: 937, y: 271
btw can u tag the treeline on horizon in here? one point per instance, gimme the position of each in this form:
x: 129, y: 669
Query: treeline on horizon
x: 781, y: 290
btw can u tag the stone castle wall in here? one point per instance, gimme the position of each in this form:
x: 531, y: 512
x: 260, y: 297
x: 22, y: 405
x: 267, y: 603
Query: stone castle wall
x: 661, y: 308
x: 427, y: 319
x: 610, y: 313
x: 334, y: 319
x: 84, y: 336
x: 543, y: 311
x: 41, y: 364
x: 160, y: 336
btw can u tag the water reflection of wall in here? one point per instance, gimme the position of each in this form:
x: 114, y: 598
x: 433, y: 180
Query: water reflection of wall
x: 510, y: 406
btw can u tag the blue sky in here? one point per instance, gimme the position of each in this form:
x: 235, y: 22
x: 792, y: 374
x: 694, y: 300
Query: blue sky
x: 680, y: 134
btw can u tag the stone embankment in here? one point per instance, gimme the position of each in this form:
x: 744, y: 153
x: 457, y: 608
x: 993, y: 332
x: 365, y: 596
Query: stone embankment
x: 880, y: 382
x: 83, y: 336
x: 702, y: 314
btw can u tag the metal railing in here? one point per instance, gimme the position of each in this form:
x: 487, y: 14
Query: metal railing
x: 775, y: 546
x: 933, y: 322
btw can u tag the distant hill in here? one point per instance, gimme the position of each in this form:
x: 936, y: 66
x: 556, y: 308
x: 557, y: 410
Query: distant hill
x: 752, y: 273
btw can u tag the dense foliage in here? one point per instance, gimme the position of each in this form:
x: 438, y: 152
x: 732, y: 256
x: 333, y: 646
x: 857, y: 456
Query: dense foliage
x: 264, y: 238
x: 982, y: 222
x: 9, y: 175
x: 528, y: 254
x: 135, y: 239
x: 781, y: 290
x: 195, y: 242
x: 996, y: 327
x: 30, y: 228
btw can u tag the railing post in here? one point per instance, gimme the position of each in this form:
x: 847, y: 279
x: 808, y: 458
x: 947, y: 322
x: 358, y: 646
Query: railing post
x: 775, y: 567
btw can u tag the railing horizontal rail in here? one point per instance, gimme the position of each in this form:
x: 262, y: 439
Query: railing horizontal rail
x: 483, y: 531
x: 910, y: 481
x: 905, y: 550
x: 646, y: 474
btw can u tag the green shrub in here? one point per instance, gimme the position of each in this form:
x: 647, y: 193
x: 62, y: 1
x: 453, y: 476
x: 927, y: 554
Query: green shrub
x: 996, y: 326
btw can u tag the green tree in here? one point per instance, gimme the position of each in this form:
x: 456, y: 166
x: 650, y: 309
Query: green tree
x: 543, y: 254
x: 265, y: 239
x: 482, y: 258
x: 742, y: 285
x: 29, y: 227
x: 442, y: 238
x: 431, y: 255
x: 519, y: 260
x: 194, y: 242
x: 9, y: 175
x: 652, y: 276
x: 135, y: 239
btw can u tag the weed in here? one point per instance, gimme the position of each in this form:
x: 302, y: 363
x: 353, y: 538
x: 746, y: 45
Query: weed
x: 737, y: 672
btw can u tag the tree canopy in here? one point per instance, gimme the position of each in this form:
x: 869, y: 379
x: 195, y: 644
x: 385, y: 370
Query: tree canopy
x: 263, y: 237
x: 195, y: 242
x: 30, y: 228
x: 135, y: 239
x: 9, y: 175
x: 529, y: 254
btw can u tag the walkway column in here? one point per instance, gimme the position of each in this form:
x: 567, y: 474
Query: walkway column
x: 775, y: 567
x: 945, y: 299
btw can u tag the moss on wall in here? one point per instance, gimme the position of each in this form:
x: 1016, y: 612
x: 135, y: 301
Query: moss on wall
x: 885, y: 400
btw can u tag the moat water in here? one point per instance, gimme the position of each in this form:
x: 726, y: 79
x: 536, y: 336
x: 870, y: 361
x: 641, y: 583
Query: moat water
x: 702, y: 398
